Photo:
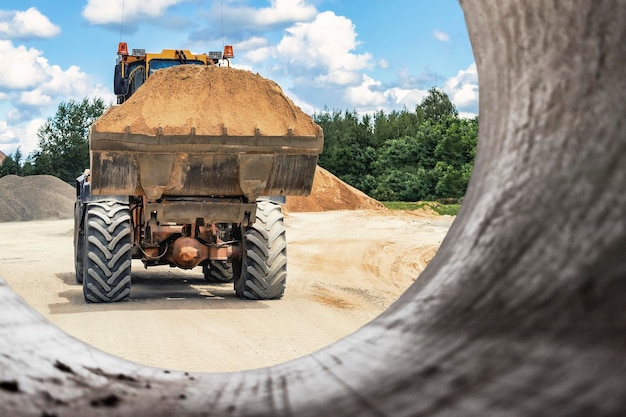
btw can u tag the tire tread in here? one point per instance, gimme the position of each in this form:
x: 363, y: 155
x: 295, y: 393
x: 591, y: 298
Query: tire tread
x: 107, y: 261
x: 264, y: 267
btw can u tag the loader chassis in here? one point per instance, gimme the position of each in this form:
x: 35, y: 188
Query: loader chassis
x: 110, y: 231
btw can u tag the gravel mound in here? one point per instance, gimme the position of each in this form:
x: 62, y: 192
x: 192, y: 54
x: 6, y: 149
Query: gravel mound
x: 37, y: 197
x: 330, y: 193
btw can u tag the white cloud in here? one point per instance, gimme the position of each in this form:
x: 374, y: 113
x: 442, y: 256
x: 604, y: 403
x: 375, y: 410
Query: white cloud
x: 29, y: 72
x: 441, y: 36
x: 71, y: 83
x: 242, y: 67
x: 259, y: 54
x: 29, y: 24
x: 339, y: 77
x: 408, y: 98
x: 34, y: 98
x: 463, y: 89
x: 23, y: 136
x: 237, y: 20
x: 369, y: 95
x: 312, y: 57
x: 36, y: 77
x: 29, y: 141
x: 16, y: 116
x: 365, y: 94
x: 466, y: 94
x: 110, y: 11
x: 325, y: 46
x: 467, y: 115
x: 252, y: 43
x: 32, y: 91
x: 279, y: 12
x: 7, y: 137
x: 256, y: 49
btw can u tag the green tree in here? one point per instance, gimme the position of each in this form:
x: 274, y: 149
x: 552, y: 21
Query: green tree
x: 436, y: 107
x: 451, y: 181
x: 408, y: 156
x: 405, y: 165
x: 349, y: 146
x: 395, y: 125
x: 64, y: 139
x: 458, y: 144
x: 455, y: 158
x: 434, y: 161
x: 12, y: 164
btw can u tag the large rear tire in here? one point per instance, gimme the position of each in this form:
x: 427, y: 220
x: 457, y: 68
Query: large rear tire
x: 107, y: 260
x: 262, y: 272
x: 79, y: 242
x: 218, y: 272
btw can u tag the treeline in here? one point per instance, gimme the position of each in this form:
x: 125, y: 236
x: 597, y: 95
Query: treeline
x: 63, y: 143
x: 426, y: 154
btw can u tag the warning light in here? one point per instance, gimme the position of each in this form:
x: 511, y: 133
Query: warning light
x: 122, y: 48
x: 228, y: 52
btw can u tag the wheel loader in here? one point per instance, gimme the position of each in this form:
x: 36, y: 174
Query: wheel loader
x: 187, y: 171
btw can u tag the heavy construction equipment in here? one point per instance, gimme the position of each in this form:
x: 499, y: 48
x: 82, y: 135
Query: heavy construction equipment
x: 189, y: 171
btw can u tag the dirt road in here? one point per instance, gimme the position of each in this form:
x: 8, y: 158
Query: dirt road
x: 339, y: 268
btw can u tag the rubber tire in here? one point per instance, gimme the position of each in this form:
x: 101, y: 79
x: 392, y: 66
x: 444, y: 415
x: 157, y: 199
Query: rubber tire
x: 218, y: 272
x: 107, y: 261
x: 262, y: 272
x: 79, y: 243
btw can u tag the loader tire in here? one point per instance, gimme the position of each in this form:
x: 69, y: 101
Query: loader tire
x: 79, y: 243
x: 262, y: 272
x: 107, y: 261
x: 218, y: 272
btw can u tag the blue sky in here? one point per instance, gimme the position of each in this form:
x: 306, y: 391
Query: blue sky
x: 336, y: 54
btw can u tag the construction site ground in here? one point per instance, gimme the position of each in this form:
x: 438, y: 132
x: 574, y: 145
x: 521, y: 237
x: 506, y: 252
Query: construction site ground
x: 345, y: 267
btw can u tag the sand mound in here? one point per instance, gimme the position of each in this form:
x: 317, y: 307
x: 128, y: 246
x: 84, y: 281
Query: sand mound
x: 208, y: 99
x: 330, y: 193
x: 38, y: 197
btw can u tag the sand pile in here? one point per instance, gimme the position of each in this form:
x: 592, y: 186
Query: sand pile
x: 330, y: 193
x: 38, y: 197
x: 208, y: 99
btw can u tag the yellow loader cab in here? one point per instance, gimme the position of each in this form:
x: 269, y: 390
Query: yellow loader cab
x: 131, y: 70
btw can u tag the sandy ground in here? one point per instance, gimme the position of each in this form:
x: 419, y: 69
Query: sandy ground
x: 345, y: 267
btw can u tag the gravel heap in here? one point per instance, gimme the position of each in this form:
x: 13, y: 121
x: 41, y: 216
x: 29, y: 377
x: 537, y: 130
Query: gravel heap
x: 38, y: 197
x: 207, y: 98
